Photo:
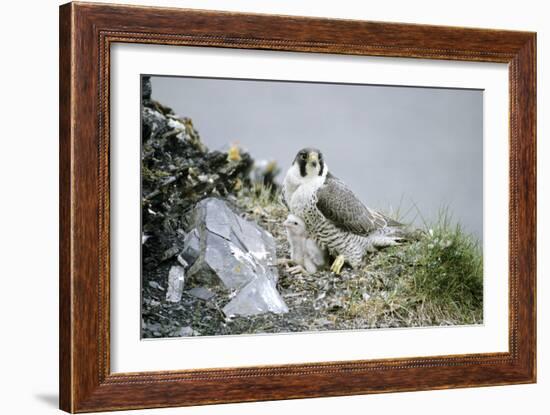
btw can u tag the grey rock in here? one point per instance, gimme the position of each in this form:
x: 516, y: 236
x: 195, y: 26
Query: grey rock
x: 201, y: 293
x: 191, y: 248
x: 257, y: 297
x: 169, y: 253
x: 184, y: 331
x: 156, y: 285
x: 154, y: 327
x: 237, y: 255
x: 176, y: 281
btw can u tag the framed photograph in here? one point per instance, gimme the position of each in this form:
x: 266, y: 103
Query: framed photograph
x: 258, y: 207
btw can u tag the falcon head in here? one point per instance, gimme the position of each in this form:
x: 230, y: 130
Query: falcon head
x: 310, y: 163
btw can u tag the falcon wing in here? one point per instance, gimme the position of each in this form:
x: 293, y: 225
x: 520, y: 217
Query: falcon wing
x: 340, y: 205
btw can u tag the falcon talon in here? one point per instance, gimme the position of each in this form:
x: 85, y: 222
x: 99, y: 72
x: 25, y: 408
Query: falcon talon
x: 338, y: 264
x: 285, y: 261
x: 297, y: 270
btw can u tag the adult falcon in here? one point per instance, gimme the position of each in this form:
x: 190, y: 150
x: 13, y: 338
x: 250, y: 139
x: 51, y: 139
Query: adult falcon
x: 334, y: 216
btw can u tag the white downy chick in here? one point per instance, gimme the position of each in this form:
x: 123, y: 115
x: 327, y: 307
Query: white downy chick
x: 304, y: 251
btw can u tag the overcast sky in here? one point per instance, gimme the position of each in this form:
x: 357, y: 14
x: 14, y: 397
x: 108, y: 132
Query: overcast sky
x: 417, y: 149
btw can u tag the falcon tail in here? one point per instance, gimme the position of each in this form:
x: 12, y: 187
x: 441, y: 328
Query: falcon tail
x: 387, y: 236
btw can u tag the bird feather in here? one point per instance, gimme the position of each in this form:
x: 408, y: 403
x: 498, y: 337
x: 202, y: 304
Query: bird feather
x: 340, y: 205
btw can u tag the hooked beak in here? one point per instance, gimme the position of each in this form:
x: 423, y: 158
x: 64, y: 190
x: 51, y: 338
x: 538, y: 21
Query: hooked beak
x: 313, y: 158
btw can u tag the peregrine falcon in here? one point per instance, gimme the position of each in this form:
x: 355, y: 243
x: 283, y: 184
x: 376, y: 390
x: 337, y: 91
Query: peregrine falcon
x: 333, y: 215
x: 304, y: 251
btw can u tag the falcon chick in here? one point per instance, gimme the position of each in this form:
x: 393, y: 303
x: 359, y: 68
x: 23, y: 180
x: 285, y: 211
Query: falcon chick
x: 334, y: 216
x: 304, y: 251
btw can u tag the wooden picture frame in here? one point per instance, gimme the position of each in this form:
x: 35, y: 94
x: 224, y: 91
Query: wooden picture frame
x: 86, y: 33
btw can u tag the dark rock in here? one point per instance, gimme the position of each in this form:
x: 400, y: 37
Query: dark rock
x: 145, y: 88
x: 182, y: 262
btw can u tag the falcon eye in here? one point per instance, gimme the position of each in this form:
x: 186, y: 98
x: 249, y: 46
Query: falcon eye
x: 303, y: 156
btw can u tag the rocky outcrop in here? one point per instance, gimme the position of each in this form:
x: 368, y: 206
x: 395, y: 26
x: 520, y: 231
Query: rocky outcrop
x: 177, y: 171
x: 191, y: 234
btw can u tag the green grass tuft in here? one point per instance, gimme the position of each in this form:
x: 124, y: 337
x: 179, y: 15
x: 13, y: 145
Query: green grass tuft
x: 436, y: 279
x: 448, y: 267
